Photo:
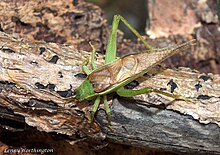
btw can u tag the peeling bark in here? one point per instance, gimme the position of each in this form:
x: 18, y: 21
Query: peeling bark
x: 29, y: 92
x: 31, y: 82
x: 38, y: 80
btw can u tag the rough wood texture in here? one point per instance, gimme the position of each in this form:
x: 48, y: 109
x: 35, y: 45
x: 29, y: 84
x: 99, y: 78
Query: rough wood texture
x: 43, y: 106
x: 202, y: 90
x: 23, y: 68
x: 36, y: 78
x: 73, y: 22
x: 155, y: 127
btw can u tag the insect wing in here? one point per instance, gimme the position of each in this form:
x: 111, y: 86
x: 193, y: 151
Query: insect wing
x: 103, y: 77
x: 130, y: 66
x: 113, y: 73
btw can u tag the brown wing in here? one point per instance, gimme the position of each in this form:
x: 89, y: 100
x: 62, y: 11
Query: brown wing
x: 113, y: 73
x: 131, y: 65
x: 125, y: 68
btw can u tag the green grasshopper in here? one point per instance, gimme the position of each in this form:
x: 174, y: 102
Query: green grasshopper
x: 116, y: 73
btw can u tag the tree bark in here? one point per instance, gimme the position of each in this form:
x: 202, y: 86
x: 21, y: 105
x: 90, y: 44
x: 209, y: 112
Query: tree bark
x: 38, y: 80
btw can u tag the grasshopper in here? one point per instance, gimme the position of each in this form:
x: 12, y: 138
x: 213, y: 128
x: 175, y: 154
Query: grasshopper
x: 118, y: 72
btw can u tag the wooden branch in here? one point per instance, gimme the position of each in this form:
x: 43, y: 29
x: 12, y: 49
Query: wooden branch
x: 32, y: 84
x: 159, y: 122
x: 158, y: 128
x: 37, y: 78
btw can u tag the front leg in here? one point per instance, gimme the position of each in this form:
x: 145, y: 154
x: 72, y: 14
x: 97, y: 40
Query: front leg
x: 94, y: 67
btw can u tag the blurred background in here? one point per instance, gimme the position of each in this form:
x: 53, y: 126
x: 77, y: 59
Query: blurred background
x: 133, y: 11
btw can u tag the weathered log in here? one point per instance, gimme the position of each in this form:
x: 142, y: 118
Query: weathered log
x: 37, y: 78
x: 31, y: 73
x: 36, y: 88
